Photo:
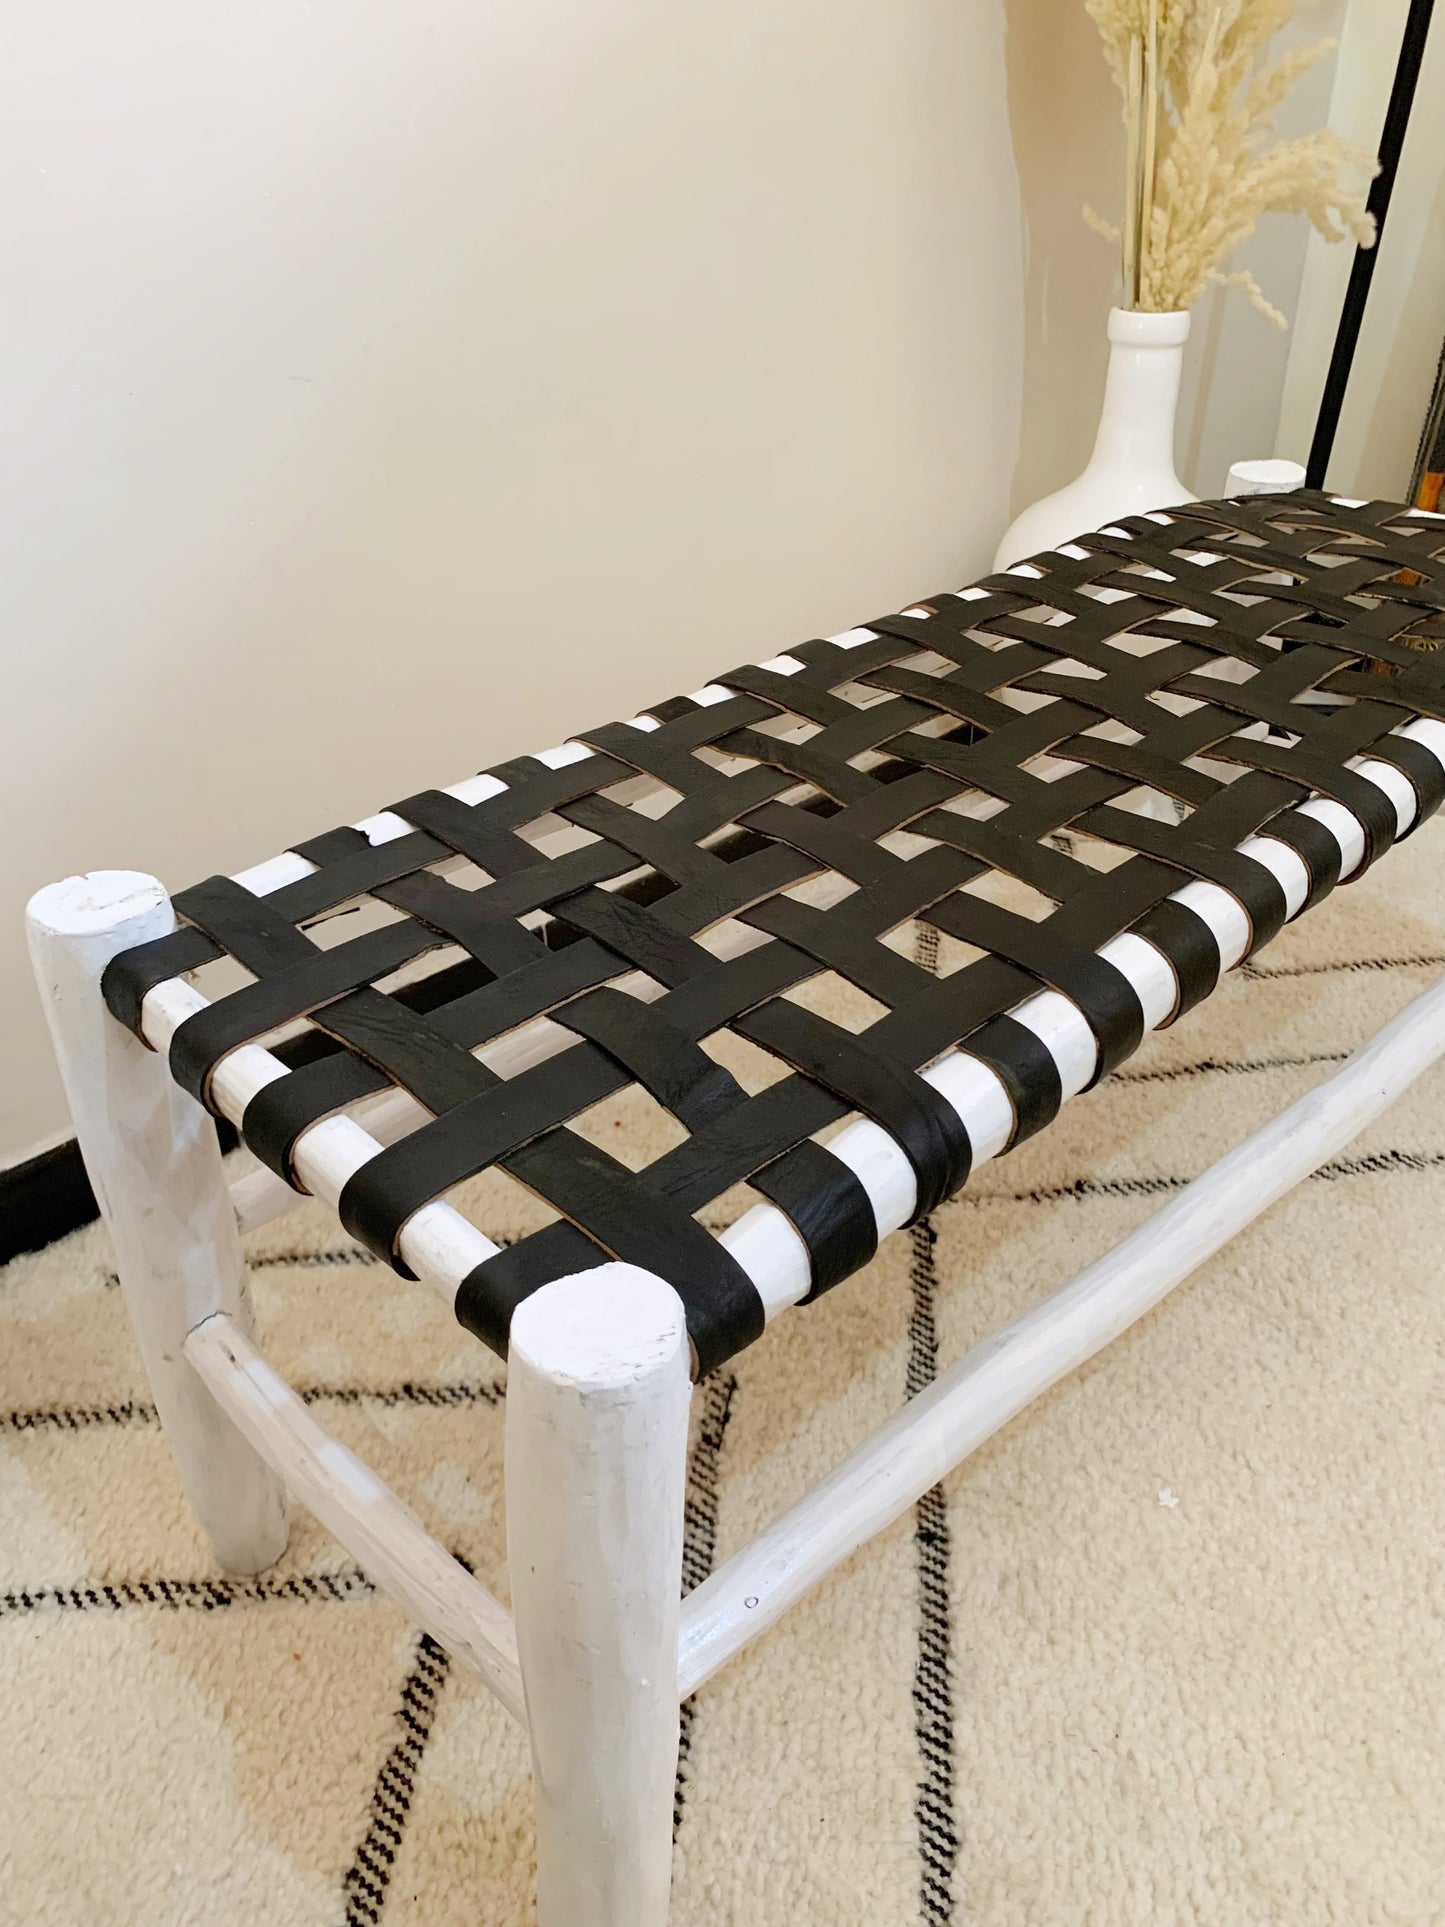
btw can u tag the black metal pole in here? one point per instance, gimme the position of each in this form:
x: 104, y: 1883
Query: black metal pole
x: 1392, y: 140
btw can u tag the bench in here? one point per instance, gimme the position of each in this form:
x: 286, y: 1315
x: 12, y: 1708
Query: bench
x: 1025, y: 823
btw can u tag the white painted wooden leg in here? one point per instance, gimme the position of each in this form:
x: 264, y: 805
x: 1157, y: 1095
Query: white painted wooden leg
x: 152, y: 1157
x: 597, y: 1401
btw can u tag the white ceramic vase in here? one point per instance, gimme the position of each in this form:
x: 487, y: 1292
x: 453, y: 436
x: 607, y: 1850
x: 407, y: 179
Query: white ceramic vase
x: 1132, y: 467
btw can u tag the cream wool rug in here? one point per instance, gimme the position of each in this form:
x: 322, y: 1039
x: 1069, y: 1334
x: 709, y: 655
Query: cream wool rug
x: 1170, y: 1649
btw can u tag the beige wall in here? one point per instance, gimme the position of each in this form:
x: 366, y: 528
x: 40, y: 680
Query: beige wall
x: 389, y: 389
x: 393, y: 388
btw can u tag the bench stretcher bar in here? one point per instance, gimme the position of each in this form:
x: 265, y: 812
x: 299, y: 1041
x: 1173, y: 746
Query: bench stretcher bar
x: 1018, y: 1363
x: 384, y: 1536
x: 884, y: 1477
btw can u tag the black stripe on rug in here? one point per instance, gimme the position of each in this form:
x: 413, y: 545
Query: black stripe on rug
x: 79, y: 1418
x: 84, y: 1418
x: 349, y: 1258
x: 699, y: 1543
x: 182, y: 1595
x: 1227, y: 1067
x: 367, y: 1879
x: 1372, y: 1165
x: 933, y: 1805
x: 346, y: 1260
x: 1262, y: 973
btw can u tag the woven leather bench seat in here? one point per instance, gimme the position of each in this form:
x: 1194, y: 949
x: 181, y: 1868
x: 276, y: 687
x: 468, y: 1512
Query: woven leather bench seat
x: 1168, y: 738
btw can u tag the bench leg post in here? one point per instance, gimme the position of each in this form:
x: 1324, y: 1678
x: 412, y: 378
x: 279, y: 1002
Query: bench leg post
x: 597, y: 1407
x: 151, y: 1153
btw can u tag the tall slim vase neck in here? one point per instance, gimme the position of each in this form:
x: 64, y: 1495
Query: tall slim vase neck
x: 1141, y: 398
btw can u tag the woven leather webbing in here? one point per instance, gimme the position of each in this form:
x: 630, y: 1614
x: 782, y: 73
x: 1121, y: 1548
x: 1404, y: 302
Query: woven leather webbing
x: 1313, y: 599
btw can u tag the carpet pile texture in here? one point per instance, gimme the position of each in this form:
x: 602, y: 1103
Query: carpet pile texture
x: 1169, y: 1649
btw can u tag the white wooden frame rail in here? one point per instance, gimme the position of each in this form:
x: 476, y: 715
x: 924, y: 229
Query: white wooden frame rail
x: 602, y: 1649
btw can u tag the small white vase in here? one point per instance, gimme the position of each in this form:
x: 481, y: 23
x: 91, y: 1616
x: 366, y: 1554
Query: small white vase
x: 1132, y: 467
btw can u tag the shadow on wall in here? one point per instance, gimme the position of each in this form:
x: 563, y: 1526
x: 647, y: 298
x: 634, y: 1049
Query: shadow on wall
x: 397, y: 389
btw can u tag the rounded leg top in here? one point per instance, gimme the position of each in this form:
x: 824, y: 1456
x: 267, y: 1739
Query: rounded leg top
x: 100, y: 903
x: 601, y: 1330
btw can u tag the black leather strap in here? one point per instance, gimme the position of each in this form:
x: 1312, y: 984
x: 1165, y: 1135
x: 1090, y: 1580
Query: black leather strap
x: 829, y: 1209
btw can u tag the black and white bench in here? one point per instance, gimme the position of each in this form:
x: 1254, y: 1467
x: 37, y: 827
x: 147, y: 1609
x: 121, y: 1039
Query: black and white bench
x: 1108, y: 776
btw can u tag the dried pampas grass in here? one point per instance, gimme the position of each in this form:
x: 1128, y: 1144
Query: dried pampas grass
x: 1202, y: 162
